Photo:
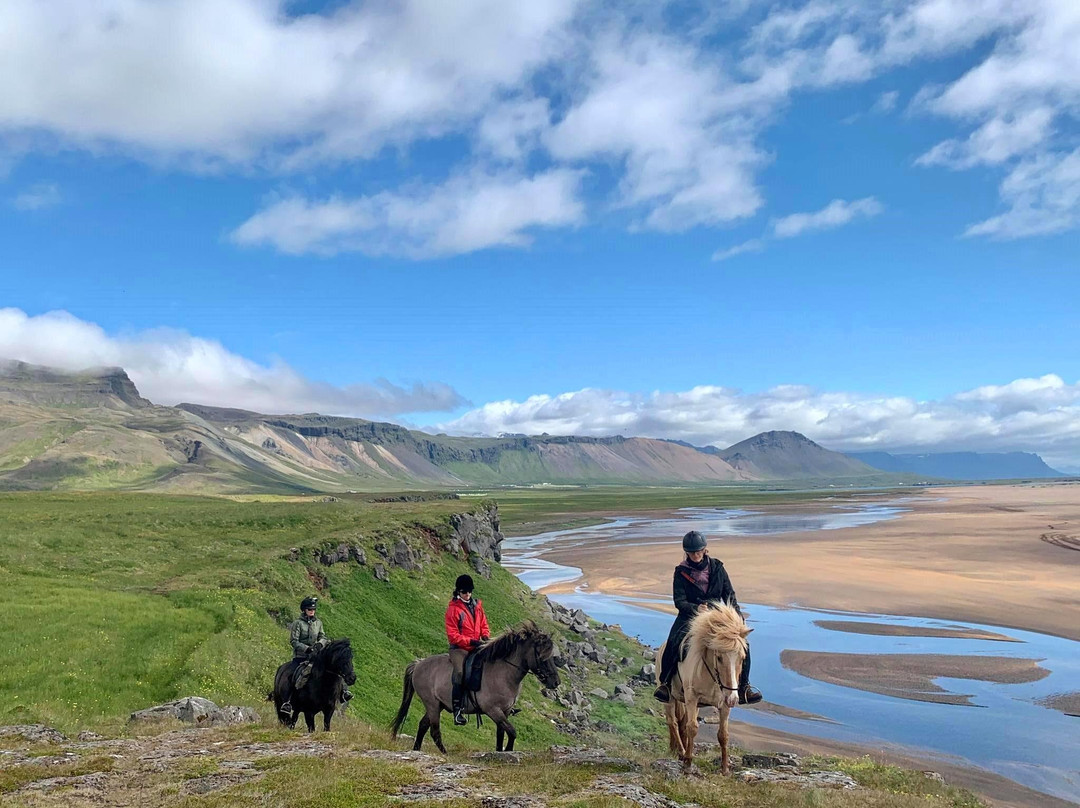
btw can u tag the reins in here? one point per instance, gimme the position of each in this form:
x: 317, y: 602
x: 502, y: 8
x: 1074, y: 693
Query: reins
x: 716, y: 676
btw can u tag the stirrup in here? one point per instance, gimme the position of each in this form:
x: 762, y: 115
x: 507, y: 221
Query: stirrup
x: 662, y: 693
x: 346, y: 695
x: 749, y: 695
x: 286, y: 709
x: 459, y: 717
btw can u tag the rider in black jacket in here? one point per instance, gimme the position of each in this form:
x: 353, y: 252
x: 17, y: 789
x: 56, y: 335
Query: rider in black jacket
x: 698, y: 580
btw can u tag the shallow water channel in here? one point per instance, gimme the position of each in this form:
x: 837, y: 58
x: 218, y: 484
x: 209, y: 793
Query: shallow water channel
x: 1002, y: 728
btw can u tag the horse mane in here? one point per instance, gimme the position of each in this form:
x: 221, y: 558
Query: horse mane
x: 336, y: 652
x: 719, y: 629
x: 502, y: 645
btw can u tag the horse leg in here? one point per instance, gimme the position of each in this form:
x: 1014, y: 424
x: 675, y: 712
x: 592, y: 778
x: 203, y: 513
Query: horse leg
x: 511, y: 734
x: 722, y: 739
x: 436, y: 730
x: 328, y: 713
x: 421, y: 731
x: 674, y: 719
x: 499, y: 734
x: 688, y: 727
x: 309, y: 719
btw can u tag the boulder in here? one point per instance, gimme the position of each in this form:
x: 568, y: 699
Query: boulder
x: 476, y: 534
x: 357, y: 554
x: 402, y: 556
x: 198, y: 711
x: 35, y: 733
x: 381, y: 574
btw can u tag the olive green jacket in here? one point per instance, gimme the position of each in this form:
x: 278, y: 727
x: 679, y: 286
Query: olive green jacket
x: 304, y: 633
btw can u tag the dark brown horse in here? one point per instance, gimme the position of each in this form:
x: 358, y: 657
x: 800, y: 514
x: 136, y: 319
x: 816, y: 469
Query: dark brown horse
x: 507, y: 659
x: 331, y: 673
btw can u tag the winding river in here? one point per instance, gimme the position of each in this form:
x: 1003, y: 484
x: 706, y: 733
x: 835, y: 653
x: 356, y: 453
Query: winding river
x: 1000, y: 726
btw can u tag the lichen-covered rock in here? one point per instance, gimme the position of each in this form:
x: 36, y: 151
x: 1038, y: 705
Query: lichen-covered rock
x: 381, y: 574
x: 198, y: 711
x: 825, y: 779
x: 35, y: 733
x: 403, y: 556
x: 582, y: 756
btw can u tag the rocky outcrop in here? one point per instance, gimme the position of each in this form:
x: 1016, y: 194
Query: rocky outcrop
x: 198, y: 711
x: 476, y: 536
x: 35, y: 733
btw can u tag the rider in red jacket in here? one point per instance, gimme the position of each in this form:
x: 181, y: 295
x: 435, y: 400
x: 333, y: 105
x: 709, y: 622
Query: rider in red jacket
x: 466, y: 629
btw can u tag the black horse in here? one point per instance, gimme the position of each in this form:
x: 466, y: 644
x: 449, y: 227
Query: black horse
x: 331, y: 673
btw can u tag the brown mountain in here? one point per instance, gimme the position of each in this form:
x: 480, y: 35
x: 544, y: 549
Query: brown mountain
x: 790, y: 455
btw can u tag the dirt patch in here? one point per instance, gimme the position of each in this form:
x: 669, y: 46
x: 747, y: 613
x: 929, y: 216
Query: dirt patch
x: 888, y: 630
x: 910, y: 676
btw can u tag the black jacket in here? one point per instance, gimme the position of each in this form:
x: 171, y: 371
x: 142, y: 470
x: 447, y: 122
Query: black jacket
x: 688, y: 595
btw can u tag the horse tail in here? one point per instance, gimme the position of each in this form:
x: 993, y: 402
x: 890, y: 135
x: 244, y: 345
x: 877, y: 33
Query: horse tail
x: 406, y: 700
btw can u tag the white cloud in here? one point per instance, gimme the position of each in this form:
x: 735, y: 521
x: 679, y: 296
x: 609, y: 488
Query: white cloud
x: 682, y: 129
x: 38, y: 196
x: 466, y: 213
x: 237, y: 81
x: 1028, y: 414
x: 886, y: 102
x: 1043, y: 194
x: 170, y: 367
x: 836, y: 214
x: 753, y: 245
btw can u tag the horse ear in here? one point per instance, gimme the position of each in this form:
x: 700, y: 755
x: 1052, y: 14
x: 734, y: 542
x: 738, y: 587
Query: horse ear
x: 747, y: 630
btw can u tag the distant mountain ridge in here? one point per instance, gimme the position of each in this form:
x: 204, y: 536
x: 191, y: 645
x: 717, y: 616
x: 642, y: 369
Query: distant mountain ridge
x: 963, y: 465
x: 92, y: 429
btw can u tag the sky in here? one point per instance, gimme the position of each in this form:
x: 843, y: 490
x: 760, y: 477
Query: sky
x: 674, y: 219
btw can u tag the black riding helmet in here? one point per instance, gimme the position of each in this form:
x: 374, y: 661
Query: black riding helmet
x: 693, y: 541
x: 308, y: 603
x: 464, y: 583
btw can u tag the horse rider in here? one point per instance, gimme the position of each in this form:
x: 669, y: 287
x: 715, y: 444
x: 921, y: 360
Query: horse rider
x: 307, y: 638
x: 698, y: 580
x: 466, y: 629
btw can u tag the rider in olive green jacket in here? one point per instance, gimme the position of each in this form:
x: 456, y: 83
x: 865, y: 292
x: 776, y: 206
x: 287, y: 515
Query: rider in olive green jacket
x: 307, y: 638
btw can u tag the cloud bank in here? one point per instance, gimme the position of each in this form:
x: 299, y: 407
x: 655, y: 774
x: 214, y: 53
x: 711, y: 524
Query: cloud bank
x: 1038, y: 414
x: 668, y: 121
x: 170, y: 367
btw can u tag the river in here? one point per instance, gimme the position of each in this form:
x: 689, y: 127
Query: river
x: 1002, y: 728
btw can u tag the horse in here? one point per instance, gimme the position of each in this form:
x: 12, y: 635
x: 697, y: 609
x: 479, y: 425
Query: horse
x: 331, y: 672
x: 715, y: 647
x: 507, y: 658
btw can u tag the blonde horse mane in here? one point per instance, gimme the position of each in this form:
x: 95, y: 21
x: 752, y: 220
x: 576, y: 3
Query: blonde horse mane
x: 719, y: 629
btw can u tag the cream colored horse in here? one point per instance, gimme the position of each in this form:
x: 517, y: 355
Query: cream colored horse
x: 715, y: 647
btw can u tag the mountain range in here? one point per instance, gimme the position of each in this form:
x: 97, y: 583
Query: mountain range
x: 92, y: 429
x: 962, y: 465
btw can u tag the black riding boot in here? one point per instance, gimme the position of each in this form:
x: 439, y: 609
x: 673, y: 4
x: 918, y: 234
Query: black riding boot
x: 748, y: 694
x: 455, y: 697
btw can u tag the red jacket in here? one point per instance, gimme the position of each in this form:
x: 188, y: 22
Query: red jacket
x: 462, y: 627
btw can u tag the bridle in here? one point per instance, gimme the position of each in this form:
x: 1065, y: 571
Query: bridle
x: 716, y: 677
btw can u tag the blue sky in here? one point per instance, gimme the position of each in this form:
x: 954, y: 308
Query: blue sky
x: 684, y: 221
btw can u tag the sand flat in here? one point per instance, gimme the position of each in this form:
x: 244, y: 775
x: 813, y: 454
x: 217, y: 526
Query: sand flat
x: 1068, y: 703
x: 892, y: 630
x: 910, y: 676
x: 969, y: 553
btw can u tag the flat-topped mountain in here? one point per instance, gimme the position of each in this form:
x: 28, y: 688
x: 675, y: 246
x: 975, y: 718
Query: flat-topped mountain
x: 791, y: 455
x: 92, y: 429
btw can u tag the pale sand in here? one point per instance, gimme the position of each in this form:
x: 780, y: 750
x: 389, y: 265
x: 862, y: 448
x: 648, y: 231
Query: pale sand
x: 890, y: 630
x: 983, y: 555
x: 910, y: 676
x: 1000, y: 790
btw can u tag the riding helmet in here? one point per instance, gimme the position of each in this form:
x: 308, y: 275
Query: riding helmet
x: 464, y: 583
x: 693, y: 541
x: 308, y: 603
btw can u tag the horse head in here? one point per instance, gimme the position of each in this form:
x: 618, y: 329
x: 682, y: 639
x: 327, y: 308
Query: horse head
x: 337, y: 658
x: 536, y: 649
x: 719, y: 633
